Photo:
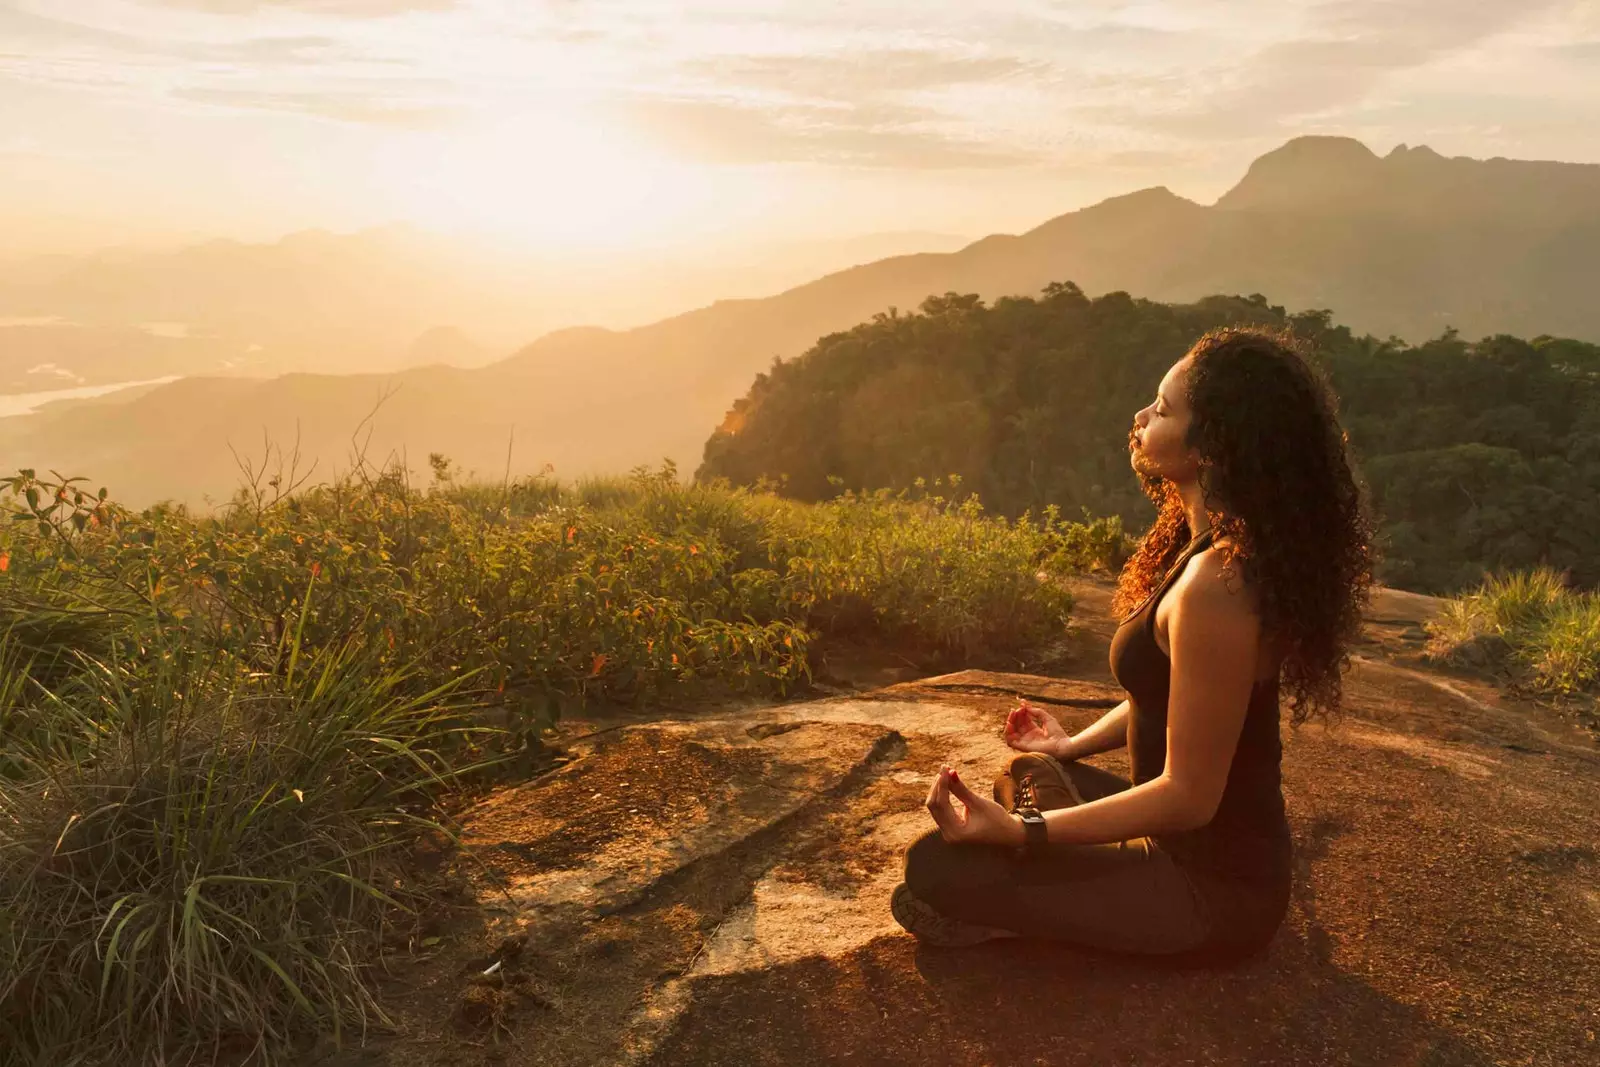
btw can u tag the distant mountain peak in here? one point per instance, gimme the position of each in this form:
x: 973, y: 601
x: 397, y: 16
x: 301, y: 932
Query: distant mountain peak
x: 1324, y: 175
x: 1422, y: 151
x: 1153, y: 205
x: 1157, y: 198
x: 1150, y: 194
x: 1304, y: 171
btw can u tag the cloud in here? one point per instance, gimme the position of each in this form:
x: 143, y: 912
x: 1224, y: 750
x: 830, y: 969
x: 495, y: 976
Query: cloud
x: 865, y: 72
x: 26, y: 29
x: 1577, y: 51
x: 335, y: 106
x: 724, y: 131
x: 1145, y: 158
x: 350, y: 8
x: 281, y: 49
x: 54, y: 34
x: 886, y: 107
x: 1350, y: 47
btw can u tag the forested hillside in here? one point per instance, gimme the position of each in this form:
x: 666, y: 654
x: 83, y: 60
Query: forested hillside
x: 1408, y: 244
x: 1480, y: 455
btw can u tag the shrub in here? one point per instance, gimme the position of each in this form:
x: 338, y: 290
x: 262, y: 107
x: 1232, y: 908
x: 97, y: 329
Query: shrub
x: 220, y: 733
x: 1529, y: 624
x: 217, y: 861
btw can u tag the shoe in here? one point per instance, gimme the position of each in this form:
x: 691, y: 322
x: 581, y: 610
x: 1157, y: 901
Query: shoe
x: 1035, y: 780
x: 922, y: 922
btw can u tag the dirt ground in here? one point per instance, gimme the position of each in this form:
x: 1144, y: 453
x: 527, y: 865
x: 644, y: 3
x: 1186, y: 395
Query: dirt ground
x: 713, y: 890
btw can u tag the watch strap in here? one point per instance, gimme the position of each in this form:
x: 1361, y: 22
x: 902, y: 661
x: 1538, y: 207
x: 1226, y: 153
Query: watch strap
x: 1033, y: 831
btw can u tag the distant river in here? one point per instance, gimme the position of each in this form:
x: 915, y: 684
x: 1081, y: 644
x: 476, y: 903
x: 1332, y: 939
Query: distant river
x: 28, y: 403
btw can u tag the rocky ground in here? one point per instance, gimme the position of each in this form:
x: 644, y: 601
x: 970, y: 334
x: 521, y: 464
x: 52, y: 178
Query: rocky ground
x: 714, y: 890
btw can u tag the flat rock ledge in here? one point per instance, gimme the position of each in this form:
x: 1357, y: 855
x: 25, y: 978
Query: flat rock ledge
x: 715, y: 891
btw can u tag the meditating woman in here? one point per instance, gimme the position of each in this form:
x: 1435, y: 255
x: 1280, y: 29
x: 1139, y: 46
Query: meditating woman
x: 1250, y: 583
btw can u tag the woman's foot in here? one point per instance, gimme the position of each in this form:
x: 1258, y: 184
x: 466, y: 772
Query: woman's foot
x: 1035, y: 780
x: 922, y: 922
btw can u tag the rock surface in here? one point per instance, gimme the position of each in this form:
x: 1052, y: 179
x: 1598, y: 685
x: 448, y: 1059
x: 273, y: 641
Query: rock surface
x: 715, y: 891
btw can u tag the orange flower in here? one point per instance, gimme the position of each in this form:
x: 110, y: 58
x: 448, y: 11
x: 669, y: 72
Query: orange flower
x: 5, y: 562
x: 599, y: 662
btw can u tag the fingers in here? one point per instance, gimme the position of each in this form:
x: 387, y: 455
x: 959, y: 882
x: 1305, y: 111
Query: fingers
x: 1025, y: 726
x: 951, y: 823
x: 1022, y: 719
x: 1025, y: 717
x: 960, y: 790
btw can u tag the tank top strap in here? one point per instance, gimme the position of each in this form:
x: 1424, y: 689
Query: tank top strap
x: 1195, y: 546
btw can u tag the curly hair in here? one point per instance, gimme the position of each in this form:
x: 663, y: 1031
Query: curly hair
x: 1279, y: 487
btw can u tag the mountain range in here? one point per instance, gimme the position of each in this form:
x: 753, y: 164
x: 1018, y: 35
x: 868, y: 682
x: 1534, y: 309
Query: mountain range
x: 1409, y: 244
x: 376, y: 300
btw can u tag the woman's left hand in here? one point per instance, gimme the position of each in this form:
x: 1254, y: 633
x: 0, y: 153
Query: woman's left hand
x: 983, y: 822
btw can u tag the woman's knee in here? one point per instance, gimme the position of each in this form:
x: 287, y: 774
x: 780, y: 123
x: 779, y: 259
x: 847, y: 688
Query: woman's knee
x: 927, y: 865
x: 938, y: 872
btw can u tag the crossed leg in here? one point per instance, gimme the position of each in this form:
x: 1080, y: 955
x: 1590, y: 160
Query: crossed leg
x: 1126, y: 896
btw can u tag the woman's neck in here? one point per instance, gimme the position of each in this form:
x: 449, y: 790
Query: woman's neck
x: 1194, y: 509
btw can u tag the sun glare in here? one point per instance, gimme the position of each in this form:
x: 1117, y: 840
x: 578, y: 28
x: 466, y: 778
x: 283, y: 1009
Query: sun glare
x: 546, y: 180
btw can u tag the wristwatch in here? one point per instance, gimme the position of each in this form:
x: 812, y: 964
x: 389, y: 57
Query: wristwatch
x: 1033, y: 832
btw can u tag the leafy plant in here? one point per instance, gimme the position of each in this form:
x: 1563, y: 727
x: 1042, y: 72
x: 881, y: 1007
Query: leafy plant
x: 219, y: 734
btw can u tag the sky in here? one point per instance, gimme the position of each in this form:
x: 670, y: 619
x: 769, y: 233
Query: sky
x: 640, y: 124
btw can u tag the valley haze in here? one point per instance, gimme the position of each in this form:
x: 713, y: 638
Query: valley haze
x: 1408, y: 244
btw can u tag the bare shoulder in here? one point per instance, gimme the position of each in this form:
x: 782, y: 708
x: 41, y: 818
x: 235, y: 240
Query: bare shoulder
x: 1208, y: 586
x: 1211, y: 604
x: 1219, y: 607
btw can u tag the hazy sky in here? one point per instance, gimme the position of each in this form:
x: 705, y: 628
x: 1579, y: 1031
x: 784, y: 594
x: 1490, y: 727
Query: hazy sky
x: 639, y: 122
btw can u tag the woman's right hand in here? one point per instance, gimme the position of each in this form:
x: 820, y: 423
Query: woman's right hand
x: 1029, y: 729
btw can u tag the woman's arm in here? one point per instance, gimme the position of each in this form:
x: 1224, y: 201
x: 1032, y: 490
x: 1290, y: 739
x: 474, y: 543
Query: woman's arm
x: 1108, y: 732
x: 1215, y: 634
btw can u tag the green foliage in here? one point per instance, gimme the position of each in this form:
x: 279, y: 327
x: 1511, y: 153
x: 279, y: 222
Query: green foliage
x: 220, y: 734
x: 219, y: 859
x: 927, y: 571
x: 1528, y: 623
x: 1480, y: 457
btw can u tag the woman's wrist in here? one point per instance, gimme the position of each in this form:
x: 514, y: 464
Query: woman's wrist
x: 1066, y: 750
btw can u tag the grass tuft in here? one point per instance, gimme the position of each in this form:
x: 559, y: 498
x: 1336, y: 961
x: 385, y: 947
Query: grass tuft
x: 1528, y: 624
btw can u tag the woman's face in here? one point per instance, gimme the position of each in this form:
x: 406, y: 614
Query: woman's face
x: 1159, y: 442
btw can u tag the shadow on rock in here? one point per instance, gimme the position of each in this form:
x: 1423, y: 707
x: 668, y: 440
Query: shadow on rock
x: 1021, y: 1002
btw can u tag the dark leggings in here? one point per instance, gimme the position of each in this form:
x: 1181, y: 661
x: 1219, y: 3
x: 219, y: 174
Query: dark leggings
x: 1129, y: 896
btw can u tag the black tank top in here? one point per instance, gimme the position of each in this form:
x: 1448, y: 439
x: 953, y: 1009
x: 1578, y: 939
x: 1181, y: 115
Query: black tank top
x: 1240, y: 860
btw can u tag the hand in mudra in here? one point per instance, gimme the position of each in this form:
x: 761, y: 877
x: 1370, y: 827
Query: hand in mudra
x: 1030, y: 730
x: 965, y: 817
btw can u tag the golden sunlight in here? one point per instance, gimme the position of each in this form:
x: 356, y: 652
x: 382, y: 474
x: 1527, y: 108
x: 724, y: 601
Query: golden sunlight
x: 544, y: 178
